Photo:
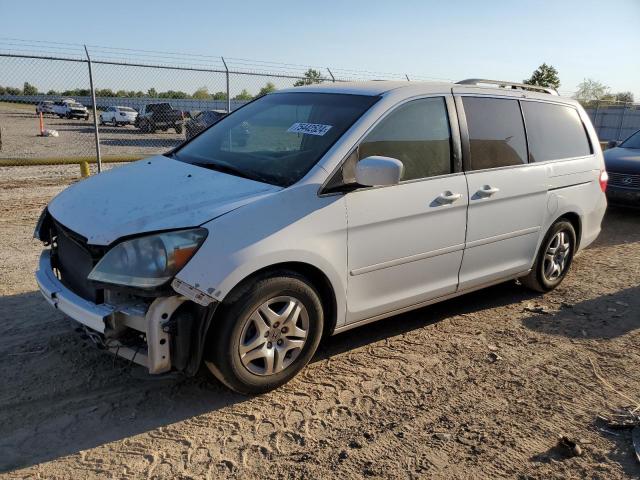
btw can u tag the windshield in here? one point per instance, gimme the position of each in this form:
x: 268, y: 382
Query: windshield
x: 125, y: 109
x: 277, y: 138
x: 632, y: 142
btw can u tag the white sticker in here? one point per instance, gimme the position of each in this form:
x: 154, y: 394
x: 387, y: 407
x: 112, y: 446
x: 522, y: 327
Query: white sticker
x: 309, y: 128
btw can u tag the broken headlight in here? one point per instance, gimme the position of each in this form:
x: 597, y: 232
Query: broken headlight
x: 149, y: 261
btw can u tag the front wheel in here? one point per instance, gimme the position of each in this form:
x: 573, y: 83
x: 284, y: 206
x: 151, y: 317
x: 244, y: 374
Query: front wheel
x: 265, y: 332
x: 554, y: 258
x: 178, y: 128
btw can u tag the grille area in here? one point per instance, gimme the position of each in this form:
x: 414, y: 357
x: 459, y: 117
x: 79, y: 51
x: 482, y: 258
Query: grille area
x: 74, y: 259
x: 625, y: 180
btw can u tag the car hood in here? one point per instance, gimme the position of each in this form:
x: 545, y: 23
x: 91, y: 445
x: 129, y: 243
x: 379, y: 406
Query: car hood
x: 622, y: 160
x: 155, y: 194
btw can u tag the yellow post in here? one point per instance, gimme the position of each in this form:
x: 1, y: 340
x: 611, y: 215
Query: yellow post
x: 84, y: 169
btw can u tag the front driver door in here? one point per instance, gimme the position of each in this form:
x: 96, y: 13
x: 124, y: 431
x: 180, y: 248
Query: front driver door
x: 405, y: 242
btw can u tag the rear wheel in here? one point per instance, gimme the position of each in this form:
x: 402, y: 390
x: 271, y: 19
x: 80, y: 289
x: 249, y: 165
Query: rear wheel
x: 178, y: 128
x: 554, y: 258
x: 265, y: 332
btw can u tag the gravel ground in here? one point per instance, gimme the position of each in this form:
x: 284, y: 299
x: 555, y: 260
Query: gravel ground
x: 477, y: 387
x: 20, y: 139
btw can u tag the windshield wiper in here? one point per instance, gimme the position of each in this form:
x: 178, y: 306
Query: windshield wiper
x: 231, y: 170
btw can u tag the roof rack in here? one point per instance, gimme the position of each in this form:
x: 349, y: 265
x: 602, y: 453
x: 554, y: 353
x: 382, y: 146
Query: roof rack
x: 503, y: 84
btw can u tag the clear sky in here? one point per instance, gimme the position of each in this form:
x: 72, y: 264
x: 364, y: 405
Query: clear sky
x: 457, y: 39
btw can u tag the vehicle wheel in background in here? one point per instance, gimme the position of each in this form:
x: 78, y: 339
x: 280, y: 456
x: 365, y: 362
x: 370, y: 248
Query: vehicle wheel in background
x: 265, y: 332
x: 101, y: 120
x: 68, y: 116
x: 178, y: 128
x: 554, y: 258
x: 115, y: 122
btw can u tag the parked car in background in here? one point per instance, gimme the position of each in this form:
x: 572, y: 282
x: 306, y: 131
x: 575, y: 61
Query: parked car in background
x: 44, y: 107
x: 69, y: 108
x: 118, y: 116
x: 623, y: 166
x: 159, y: 116
x: 347, y: 204
x: 202, y: 120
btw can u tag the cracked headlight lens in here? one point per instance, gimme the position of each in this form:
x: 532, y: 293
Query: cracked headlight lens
x: 149, y: 261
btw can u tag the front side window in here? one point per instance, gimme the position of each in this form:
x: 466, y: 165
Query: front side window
x: 554, y: 132
x: 418, y: 135
x: 277, y: 138
x: 496, y: 132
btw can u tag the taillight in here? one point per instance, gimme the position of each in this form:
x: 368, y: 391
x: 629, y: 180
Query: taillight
x: 604, y: 178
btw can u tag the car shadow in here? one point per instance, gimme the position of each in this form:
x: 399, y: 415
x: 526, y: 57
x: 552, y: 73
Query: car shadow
x: 605, y: 317
x: 619, y: 226
x: 62, y: 395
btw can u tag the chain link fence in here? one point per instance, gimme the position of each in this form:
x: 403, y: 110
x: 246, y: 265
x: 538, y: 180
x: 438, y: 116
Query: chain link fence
x: 147, y: 102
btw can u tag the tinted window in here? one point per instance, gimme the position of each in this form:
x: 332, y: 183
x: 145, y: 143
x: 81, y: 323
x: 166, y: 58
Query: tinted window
x: 554, y: 131
x: 496, y: 132
x: 276, y: 138
x: 418, y: 135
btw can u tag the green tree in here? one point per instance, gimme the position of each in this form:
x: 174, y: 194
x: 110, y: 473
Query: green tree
x: 201, y: 94
x: 13, y: 91
x: 590, y: 90
x: 219, y: 96
x: 625, y: 97
x: 268, y: 88
x: 152, y: 93
x: 105, y: 92
x: 311, y: 76
x: 243, y: 95
x: 3, y: 90
x: 173, y: 94
x: 544, y: 76
x: 29, y: 89
x: 52, y: 92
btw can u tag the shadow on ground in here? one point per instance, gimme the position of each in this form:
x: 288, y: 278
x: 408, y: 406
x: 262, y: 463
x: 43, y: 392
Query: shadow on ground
x: 61, y: 395
x: 605, y: 317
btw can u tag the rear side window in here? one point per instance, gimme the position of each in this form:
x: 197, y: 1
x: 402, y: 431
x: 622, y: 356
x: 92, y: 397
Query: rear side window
x: 496, y: 132
x: 418, y: 135
x: 554, y: 131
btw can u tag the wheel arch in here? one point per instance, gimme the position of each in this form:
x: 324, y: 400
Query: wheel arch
x: 316, y: 277
x: 574, y: 219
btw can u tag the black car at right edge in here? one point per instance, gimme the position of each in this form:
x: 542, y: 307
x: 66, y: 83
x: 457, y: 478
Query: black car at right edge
x: 623, y: 166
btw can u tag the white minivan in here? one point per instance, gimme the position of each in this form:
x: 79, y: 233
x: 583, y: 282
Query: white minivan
x: 317, y: 209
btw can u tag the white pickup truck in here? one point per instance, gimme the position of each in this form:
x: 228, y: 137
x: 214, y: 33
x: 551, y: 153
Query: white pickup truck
x: 69, y: 108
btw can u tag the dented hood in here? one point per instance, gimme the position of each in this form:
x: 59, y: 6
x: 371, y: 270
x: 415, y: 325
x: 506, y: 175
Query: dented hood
x: 154, y: 194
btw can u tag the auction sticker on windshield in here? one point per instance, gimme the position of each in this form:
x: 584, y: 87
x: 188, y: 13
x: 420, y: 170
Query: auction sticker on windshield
x: 309, y: 128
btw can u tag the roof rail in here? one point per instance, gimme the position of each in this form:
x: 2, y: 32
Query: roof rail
x: 503, y: 84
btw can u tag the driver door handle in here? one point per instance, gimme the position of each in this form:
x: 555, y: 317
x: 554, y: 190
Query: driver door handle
x: 448, y: 197
x: 487, y: 191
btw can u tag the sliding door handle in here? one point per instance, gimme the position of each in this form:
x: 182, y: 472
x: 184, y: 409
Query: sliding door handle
x: 487, y: 191
x: 448, y: 197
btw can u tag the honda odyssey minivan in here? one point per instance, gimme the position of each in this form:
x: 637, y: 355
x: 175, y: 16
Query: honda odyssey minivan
x: 343, y: 204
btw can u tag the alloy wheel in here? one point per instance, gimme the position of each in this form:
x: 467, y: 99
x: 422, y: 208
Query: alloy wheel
x: 274, y: 335
x: 557, y: 255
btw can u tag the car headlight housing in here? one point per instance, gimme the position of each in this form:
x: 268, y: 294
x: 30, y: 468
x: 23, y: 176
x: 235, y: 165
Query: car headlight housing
x: 149, y: 261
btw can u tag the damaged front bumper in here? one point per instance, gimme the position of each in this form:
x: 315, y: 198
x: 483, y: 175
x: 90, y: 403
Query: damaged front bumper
x: 151, y: 320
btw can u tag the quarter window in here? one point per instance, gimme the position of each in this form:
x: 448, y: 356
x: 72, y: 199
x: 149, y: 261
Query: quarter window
x: 496, y: 132
x: 554, y: 131
x: 418, y: 135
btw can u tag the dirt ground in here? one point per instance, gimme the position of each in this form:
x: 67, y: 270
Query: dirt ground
x: 477, y: 387
x: 20, y: 128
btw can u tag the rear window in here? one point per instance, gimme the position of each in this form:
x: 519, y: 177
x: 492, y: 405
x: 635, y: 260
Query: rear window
x: 496, y: 132
x: 554, y: 132
x: 126, y: 109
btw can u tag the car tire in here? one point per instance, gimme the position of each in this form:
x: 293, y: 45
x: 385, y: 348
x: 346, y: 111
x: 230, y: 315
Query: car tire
x: 115, y: 122
x: 178, y: 128
x: 265, y: 332
x: 554, y: 258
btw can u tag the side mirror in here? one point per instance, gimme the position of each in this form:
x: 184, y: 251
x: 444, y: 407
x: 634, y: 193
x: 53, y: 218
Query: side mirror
x: 377, y: 171
x: 612, y: 143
